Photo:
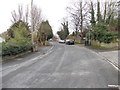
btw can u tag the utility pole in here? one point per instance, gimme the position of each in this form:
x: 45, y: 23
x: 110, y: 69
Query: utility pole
x: 32, y: 37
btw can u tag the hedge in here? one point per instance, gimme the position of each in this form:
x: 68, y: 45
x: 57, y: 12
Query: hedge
x: 8, y: 50
x: 103, y: 37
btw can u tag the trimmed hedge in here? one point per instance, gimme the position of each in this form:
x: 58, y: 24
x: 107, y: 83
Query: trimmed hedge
x: 8, y: 50
x: 103, y: 37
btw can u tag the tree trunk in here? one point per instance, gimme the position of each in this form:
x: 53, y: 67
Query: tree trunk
x: 81, y: 16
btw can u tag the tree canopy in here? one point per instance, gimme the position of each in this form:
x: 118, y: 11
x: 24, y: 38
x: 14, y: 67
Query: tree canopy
x: 64, y: 32
x: 46, y: 29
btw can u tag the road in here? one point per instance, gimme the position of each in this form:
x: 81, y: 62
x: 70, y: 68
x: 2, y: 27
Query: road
x: 64, y: 66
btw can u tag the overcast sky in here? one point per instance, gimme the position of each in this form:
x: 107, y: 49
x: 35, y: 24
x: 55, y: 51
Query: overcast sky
x: 53, y: 10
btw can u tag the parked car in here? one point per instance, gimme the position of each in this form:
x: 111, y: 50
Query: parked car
x: 70, y: 42
x: 61, y: 41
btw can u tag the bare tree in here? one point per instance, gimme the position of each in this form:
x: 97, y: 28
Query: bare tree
x: 111, y: 11
x: 75, y: 18
x: 105, y: 10
x: 14, y: 17
x: 26, y: 14
x: 79, y: 12
x: 19, y: 14
x: 36, y: 19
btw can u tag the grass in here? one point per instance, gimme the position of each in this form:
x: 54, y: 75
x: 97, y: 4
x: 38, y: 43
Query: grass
x: 77, y: 41
x: 107, y: 47
x: 103, y: 48
x: 47, y: 43
x: 8, y: 58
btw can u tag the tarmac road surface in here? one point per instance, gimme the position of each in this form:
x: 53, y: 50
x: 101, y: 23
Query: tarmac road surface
x: 64, y: 66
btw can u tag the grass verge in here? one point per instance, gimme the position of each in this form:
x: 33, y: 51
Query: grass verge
x: 8, y: 58
x: 99, y: 47
x: 103, y: 48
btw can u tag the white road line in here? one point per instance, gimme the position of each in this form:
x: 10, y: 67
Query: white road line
x: 38, y: 57
x: 114, y: 86
x: 104, y: 58
x: 113, y: 65
x: 60, y: 63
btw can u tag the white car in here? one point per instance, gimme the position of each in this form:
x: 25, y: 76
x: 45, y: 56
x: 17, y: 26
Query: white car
x: 61, y: 41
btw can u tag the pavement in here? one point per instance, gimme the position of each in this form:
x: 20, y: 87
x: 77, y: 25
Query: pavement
x: 112, y: 56
x: 63, y: 66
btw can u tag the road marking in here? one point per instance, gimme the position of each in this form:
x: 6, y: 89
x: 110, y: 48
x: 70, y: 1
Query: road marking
x: 104, y: 58
x: 116, y: 67
x: 62, y: 59
x: 114, y: 86
x: 38, y: 57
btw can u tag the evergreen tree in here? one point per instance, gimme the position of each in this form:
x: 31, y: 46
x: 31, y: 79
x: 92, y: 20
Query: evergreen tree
x: 61, y: 34
x: 99, y: 17
x: 93, y: 22
x: 64, y: 32
x: 65, y: 28
x: 46, y: 29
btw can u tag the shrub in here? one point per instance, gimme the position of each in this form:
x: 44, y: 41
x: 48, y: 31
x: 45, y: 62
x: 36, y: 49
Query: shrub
x: 101, y: 33
x: 108, y: 37
x: 19, y: 39
x: 8, y: 50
